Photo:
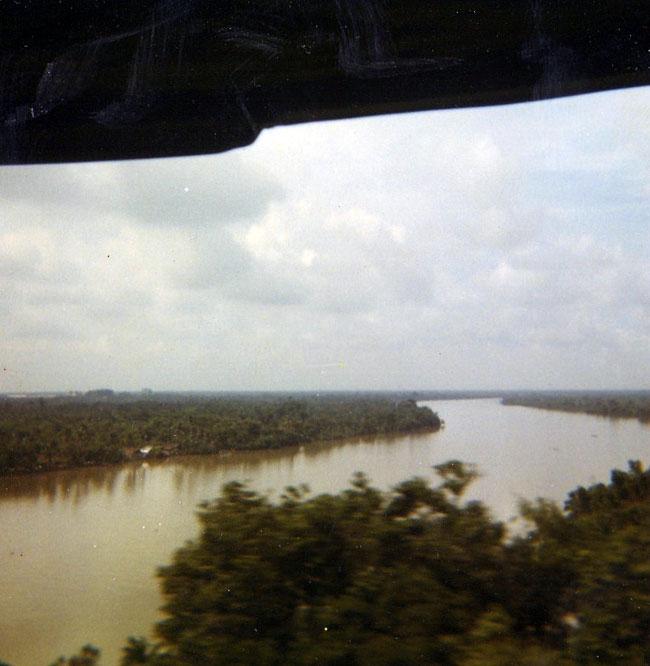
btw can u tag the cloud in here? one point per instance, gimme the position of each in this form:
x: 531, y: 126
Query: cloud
x: 178, y: 192
x: 341, y: 260
x: 477, y: 248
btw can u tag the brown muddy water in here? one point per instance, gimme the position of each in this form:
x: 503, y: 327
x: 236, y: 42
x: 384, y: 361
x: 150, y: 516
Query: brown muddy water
x: 79, y: 548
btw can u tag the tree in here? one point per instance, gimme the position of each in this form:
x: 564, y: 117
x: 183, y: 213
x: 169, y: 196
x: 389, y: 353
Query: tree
x: 409, y: 576
x: 362, y: 577
x: 88, y: 656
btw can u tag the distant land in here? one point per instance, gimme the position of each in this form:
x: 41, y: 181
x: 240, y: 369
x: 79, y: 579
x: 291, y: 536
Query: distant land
x: 509, y: 395
x: 39, y: 433
x: 610, y: 404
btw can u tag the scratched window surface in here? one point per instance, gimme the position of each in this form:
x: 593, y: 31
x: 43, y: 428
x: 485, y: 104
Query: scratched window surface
x: 478, y: 250
x: 96, y: 80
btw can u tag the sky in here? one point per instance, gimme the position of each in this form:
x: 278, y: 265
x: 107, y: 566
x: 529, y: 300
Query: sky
x: 501, y: 247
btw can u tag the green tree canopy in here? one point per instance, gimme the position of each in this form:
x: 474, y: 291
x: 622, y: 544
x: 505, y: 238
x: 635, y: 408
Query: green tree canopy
x: 415, y: 575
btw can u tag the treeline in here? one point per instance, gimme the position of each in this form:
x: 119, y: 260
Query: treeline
x: 626, y: 405
x: 411, y: 576
x: 48, y: 434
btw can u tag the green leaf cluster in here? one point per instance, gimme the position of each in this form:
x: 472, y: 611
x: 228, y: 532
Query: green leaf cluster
x: 410, y: 576
x: 415, y: 575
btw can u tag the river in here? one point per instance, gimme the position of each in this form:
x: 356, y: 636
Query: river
x: 80, y: 548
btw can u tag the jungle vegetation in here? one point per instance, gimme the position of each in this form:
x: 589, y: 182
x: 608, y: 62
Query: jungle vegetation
x: 631, y: 405
x: 415, y: 575
x: 41, y: 434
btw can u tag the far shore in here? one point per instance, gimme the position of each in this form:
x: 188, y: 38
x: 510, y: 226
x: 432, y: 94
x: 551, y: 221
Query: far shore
x: 39, y: 436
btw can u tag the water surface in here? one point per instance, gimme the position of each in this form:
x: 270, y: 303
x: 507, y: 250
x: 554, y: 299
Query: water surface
x: 80, y: 548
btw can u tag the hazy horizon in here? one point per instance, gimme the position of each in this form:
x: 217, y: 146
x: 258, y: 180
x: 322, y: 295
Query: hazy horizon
x: 477, y: 247
x: 253, y: 391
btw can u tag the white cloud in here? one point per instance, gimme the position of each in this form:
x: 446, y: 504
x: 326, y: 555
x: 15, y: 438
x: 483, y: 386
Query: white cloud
x: 176, y: 192
x: 488, y: 247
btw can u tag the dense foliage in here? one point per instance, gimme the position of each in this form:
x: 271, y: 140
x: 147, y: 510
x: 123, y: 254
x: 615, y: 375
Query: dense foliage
x: 613, y: 405
x: 413, y: 576
x: 46, y: 434
x: 88, y: 656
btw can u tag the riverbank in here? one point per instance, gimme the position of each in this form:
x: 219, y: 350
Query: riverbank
x: 104, y: 530
x: 43, y: 435
x: 616, y: 406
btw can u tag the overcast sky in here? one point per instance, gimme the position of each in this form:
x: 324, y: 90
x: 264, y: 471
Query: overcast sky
x: 501, y: 247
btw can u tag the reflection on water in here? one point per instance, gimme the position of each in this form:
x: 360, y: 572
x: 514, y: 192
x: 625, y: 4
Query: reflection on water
x: 67, y: 485
x: 187, y: 471
x: 80, y: 547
